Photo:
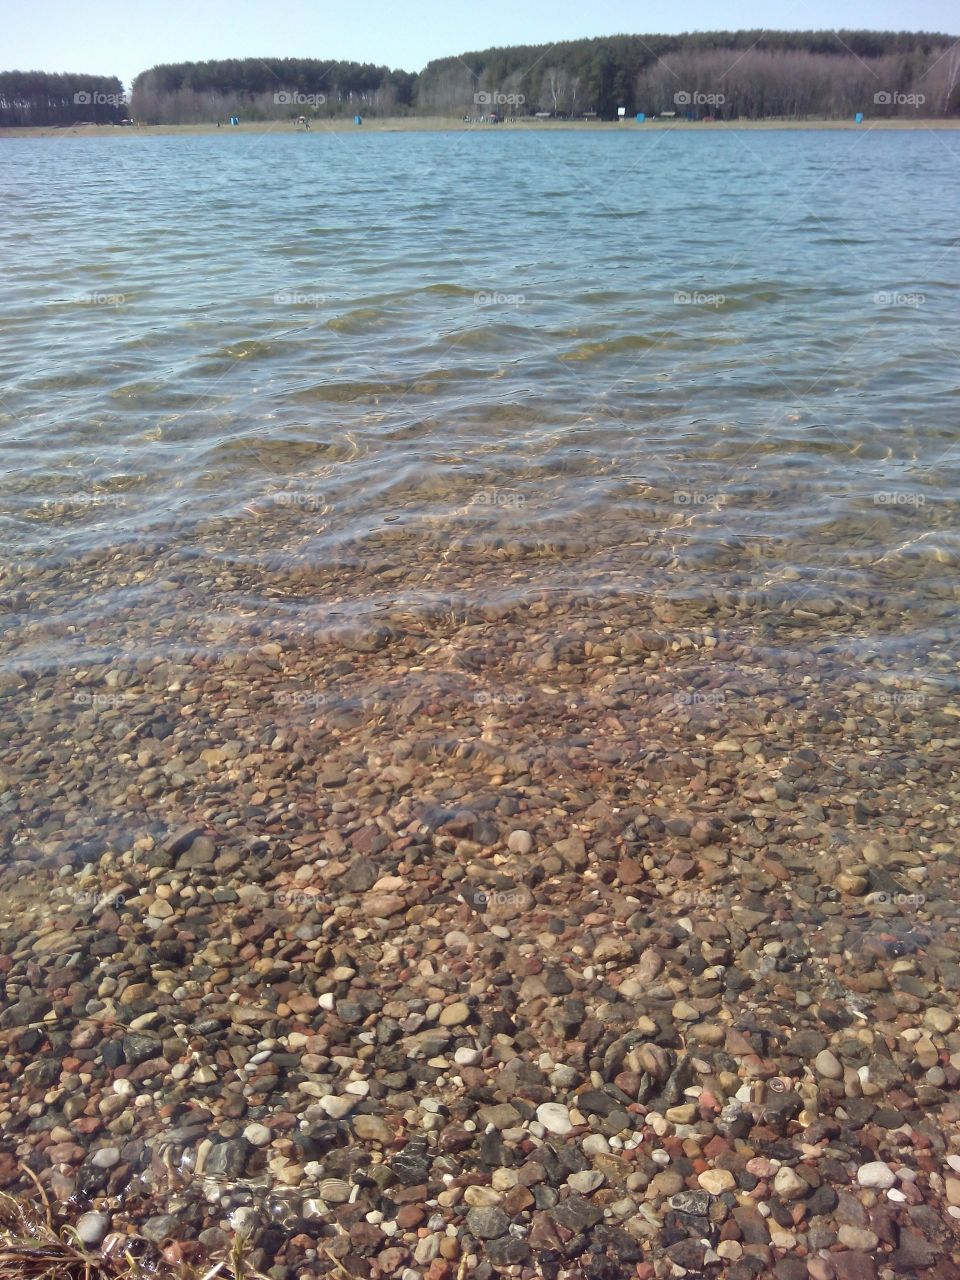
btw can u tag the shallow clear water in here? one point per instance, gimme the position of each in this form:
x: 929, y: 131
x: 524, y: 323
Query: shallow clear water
x: 333, y: 375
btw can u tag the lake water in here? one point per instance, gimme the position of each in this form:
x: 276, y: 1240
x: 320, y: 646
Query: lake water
x: 325, y: 382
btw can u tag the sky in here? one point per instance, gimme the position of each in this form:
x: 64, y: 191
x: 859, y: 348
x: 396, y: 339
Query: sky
x: 122, y: 37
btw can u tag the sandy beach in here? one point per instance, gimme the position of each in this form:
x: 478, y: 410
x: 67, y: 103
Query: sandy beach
x: 409, y: 124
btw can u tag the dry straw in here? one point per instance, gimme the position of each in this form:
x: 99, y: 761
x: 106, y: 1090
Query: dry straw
x: 34, y: 1245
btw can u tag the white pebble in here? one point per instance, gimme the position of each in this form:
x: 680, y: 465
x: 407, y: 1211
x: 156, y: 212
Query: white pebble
x: 336, y: 1108
x: 244, y: 1220
x: 876, y: 1174
x: 555, y: 1118
x: 258, y: 1135
x: 595, y: 1144
x: 92, y: 1227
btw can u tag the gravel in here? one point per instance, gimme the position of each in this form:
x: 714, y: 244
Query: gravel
x: 602, y: 980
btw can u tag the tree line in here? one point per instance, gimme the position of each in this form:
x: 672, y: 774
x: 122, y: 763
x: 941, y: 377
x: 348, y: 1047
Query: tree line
x: 268, y: 89
x: 42, y: 98
x: 726, y: 74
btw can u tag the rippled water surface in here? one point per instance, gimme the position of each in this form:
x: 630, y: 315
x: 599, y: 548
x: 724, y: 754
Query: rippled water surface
x: 327, y: 377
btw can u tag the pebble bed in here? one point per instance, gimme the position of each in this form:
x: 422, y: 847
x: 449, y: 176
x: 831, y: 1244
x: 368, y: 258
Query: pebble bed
x: 542, y: 940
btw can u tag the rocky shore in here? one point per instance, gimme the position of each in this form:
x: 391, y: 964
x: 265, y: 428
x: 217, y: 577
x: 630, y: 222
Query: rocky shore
x: 514, y: 945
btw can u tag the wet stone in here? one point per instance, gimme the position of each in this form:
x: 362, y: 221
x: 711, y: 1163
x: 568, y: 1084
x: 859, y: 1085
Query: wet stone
x: 162, y: 1227
x: 412, y: 1164
x: 690, y: 1202
x: 507, y: 1250
x: 227, y: 1159
x: 577, y: 1214
x: 200, y: 854
x: 140, y: 1048
x: 361, y: 875
x: 487, y: 1223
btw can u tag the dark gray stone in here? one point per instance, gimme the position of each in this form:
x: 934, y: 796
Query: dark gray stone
x: 161, y: 1227
x: 139, y: 1048
x: 577, y: 1214
x: 487, y: 1224
x: 361, y: 875
x: 227, y: 1159
x: 695, y: 1202
x: 412, y: 1164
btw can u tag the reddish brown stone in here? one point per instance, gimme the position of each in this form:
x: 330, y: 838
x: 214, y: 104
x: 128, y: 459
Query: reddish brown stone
x: 516, y: 1200
x: 853, y: 1266
x: 630, y: 871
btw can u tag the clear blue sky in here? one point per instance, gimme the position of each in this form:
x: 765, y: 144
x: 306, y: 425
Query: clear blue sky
x: 122, y: 37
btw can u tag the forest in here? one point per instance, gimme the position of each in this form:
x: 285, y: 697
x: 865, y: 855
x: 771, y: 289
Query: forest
x: 721, y: 74
x: 725, y: 74
x: 42, y: 98
x: 268, y: 89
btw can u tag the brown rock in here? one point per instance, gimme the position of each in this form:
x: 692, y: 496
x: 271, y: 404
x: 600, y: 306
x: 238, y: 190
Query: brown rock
x: 630, y: 871
x: 853, y: 1266
x: 573, y: 851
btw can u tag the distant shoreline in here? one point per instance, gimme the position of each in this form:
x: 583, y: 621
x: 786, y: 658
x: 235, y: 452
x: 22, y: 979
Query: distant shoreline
x: 420, y: 124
